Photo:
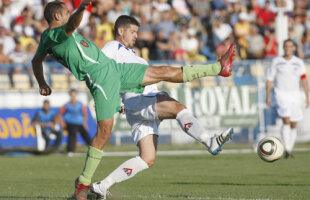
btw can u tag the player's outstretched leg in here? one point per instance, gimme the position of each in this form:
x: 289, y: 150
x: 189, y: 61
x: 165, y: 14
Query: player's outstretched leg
x: 193, y: 128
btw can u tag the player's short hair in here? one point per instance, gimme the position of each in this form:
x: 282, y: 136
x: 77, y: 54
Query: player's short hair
x: 289, y: 40
x: 124, y: 21
x: 51, y: 9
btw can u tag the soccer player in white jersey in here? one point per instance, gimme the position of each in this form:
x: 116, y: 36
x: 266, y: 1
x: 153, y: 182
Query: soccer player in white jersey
x: 145, y: 111
x: 287, y: 72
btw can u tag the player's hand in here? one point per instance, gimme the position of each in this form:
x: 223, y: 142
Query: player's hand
x: 268, y: 101
x: 45, y: 90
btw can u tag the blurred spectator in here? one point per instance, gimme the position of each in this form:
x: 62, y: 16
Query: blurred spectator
x: 235, y: 12
x: 145, y: 44
x: 220, y: 30
x: 298, y: 28
x: 201, y: 8
x: 3, y: 59
x: 179, y: 54
x: 74, y: 114
x: 113, y: 14
x: 45, y: 120
x: 271, y: 44
x: 181, y: 8
x: 242, y: 30
x: 7, y: 41
x: 161, y: 5
x: 256, y: 44
x: 265, y: 15
x: 190, y: 44
x: 105, y: 26
x: 304, y: 51
x: 20, y: 62
x: 166, y: 24
x: 163, y: 46
x: 101, y: 40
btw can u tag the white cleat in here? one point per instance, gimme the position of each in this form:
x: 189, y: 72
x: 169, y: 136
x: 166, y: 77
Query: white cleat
x: 101, y: 192
x: 217, y: 142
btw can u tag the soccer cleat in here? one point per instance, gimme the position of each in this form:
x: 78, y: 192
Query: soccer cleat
x: 217, y: 142
x: 226, y: 61
x: 81, y: 190
x: 101, y: 193
x: 288, y: 155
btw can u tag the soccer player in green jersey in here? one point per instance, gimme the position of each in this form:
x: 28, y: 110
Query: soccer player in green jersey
x: 104, y: 77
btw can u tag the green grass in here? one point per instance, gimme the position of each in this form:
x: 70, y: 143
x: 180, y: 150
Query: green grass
x: 227, y: 176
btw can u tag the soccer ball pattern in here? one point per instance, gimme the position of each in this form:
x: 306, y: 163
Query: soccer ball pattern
x: 270, y: 149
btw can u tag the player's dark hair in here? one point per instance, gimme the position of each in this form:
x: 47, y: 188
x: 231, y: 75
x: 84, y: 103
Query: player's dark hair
x: 124, y: 21
x: 289, y: 40
x: 51, y: 9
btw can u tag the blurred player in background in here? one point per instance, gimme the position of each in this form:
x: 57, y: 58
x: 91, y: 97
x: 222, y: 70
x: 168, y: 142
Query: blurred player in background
x: 287, y: 72
x: 46, y: 120
x: 144, y: 112
x: 74, y: 114
x: 104, y: 77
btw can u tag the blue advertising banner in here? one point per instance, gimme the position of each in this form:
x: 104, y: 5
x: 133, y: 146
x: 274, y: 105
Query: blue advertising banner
x: 16, y: 130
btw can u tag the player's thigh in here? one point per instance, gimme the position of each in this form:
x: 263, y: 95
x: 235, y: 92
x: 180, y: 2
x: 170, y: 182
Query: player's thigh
x: 167, y: 107
x: 104, y: 87
x: 131, y: 76
x: 140, y: 108
x: 148, y: 147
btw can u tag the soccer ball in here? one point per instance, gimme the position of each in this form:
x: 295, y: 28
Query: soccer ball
x: 270, y: 149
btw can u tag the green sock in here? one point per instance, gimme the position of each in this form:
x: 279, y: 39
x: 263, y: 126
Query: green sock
x: 198, y: 71
x: 92, y: 161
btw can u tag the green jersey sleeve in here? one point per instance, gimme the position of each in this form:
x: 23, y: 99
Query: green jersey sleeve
x: 50, y: 38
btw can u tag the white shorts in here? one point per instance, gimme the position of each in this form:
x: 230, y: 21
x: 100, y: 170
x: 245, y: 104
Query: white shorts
x: 289, y: 105
x: 142, y: 116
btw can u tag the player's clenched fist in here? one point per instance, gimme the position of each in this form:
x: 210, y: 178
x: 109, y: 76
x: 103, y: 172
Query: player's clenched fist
x: 45, y: 90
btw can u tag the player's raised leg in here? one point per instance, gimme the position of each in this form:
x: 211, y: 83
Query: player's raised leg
x: 147, y: 148
x: 189, y: 73
x: 168, y: 108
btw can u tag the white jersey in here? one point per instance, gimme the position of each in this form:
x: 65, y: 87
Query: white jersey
x: 286, y: 74
x: 122, y: 54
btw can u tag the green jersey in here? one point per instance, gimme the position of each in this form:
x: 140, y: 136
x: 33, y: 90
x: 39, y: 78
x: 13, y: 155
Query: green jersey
x: 78, y: 54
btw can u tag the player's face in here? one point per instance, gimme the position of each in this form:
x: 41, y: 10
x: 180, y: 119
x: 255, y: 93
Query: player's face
x: 129, y: 36
x: 289, y: 48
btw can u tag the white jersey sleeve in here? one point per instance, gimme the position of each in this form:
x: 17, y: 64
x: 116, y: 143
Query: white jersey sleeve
x: 122, y: 54
x: 272, y: 70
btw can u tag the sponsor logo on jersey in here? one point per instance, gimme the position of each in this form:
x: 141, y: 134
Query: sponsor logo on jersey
x: 187, y: 126
x: 128, y: 171
x: 85, y: 44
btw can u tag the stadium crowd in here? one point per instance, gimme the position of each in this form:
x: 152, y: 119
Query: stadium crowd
x: 180, y: 30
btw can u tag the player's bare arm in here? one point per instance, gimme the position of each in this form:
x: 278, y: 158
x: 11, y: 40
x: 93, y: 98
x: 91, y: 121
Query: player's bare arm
x: 305, y: 85
x: 37, y: 68
x: 76, y: 18
x: 268, y: 90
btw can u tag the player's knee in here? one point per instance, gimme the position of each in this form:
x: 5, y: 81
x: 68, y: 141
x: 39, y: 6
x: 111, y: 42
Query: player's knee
x: 104, y: 131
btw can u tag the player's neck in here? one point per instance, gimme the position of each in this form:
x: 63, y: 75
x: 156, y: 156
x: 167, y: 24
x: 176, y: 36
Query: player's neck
x: 54, y: 24
x: 288, y: 57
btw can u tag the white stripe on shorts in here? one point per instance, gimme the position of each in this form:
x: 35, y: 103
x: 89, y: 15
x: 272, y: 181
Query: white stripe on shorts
x: 98, y: 86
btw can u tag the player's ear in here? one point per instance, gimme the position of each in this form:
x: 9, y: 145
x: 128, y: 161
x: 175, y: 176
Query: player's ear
x: 120, y: 31
x: 57, y: 16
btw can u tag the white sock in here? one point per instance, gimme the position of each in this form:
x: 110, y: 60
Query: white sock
x: 285, y: 132
x: 191, y: 126
x: 125, y: 171
x: 292, y: 139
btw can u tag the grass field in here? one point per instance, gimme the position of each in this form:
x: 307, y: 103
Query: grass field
x: 227, y: 177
